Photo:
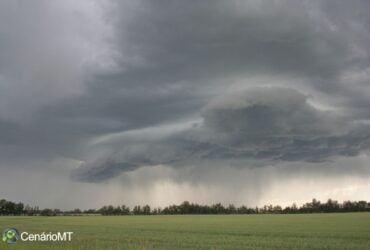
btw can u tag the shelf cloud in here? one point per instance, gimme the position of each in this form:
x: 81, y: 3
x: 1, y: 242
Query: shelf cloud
x: 261, y: 125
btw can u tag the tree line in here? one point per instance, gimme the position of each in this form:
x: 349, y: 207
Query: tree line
x: 315, y: 206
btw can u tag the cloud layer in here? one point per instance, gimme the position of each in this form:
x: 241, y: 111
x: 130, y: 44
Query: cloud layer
x: 257, y: 127
x: 98, y: 90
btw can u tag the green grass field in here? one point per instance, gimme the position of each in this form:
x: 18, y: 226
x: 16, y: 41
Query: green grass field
x: 306, y: 231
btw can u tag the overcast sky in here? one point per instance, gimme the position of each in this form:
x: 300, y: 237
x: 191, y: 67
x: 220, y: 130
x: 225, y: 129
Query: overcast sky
x: 135, y: 102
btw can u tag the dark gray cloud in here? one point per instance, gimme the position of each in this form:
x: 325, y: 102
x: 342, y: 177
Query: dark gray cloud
x: 267, y: 125
x: 112, y: 86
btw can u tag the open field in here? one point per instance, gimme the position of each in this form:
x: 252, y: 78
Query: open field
x: 305, y: 231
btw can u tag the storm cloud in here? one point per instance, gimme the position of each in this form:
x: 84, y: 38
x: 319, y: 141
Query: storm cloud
x: 266, y: 125
x: 95, y: 91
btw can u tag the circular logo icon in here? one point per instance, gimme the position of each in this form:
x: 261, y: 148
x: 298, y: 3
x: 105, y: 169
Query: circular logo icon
x: 10, y: 235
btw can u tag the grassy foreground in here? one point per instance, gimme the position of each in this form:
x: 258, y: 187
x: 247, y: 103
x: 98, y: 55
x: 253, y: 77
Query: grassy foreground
x: 304, y: 231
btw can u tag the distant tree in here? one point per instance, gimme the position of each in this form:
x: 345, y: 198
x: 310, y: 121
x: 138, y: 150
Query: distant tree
x: 110, y: 210
x: 184, y: 208
x: 48, y: 212
x: 117, y: 210
x: 90, y: 211
x: 156, y: 211
x: 330, y: 206
x: 218, y: 209
x: 277, y: 210
x: 231, y: 209
x: 3, y: 210
x: 242, y: 210
x: 315, y: 206
x: 146, y: 210
x: 125, y: 210
x: 137, y: 210
x: 76, y: 211
x: 363, y: 206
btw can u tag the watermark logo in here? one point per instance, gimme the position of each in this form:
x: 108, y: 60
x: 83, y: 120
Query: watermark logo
x: 10, y: 235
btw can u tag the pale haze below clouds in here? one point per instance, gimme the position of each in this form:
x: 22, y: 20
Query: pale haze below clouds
x: 245, y: 102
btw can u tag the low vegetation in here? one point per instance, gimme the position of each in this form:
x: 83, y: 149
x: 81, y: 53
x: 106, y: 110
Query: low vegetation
x: 256, y: 231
